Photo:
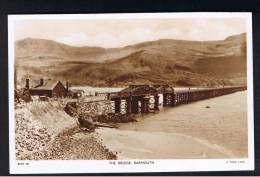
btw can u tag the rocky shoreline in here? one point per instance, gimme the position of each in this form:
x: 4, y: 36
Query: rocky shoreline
x: 34, y: 141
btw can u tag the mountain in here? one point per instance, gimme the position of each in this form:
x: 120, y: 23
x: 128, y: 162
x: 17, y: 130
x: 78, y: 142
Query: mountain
x: 175, y: 62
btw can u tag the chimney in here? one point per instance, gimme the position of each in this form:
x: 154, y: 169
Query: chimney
x: 27, y: 83
x: 41, y: 82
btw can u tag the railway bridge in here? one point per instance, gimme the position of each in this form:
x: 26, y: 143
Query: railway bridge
x: 145, y: 98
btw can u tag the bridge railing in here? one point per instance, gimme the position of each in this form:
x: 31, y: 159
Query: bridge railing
x: 186, y: 96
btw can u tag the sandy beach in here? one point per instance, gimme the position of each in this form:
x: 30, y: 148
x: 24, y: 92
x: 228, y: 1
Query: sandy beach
x: 213, y: 128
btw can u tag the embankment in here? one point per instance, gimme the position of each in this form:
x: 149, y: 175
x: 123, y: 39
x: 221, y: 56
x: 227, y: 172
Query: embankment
x: 44, y: 131
x: 98, y: 111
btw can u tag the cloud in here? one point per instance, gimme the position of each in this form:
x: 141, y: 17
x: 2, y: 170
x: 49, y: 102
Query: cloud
x: 129, y: 37
x: 76, y: 39
x: 124, y: 33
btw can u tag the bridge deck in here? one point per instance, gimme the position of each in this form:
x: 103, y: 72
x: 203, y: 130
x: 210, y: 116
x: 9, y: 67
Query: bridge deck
x: 134, y: 95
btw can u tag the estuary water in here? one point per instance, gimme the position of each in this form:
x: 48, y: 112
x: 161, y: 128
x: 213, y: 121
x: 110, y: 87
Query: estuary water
x: 212, y: 128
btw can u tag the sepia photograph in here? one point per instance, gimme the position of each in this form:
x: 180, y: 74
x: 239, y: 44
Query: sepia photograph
x: 130, y: 92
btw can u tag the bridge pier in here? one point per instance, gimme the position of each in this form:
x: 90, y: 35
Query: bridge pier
x: 145, y: 104
x: 117, y: 105
x: 134, y: 105
x: 168, y: 99
x: 137, y: 98
x: 128, y: 106
x: 156, y: 102
x: 165, y: 99
x: 184, y: 98
x: 176, y: 99
x: 187, y: 97
x: 173, y: 101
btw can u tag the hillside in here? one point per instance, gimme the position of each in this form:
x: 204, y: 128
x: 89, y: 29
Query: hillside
x: 176, y: 62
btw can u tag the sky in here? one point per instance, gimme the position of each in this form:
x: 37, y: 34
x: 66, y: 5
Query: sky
x: 112, y: 33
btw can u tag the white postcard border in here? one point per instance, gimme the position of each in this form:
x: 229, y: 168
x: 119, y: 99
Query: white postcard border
x: 107, y: 166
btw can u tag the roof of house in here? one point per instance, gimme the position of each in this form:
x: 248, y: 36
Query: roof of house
x: 47, y: 85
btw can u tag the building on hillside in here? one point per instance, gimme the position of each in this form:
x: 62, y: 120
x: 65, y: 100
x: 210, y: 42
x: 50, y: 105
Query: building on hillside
x: 49, y: 88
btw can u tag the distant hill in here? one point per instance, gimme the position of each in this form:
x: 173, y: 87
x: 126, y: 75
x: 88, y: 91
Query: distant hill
x: 176, y: 62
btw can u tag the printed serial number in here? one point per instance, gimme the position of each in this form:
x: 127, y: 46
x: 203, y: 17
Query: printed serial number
x: 23, y: 163
x: 235, y: 161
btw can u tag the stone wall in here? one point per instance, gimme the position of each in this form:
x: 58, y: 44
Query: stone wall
x: 95, y: 107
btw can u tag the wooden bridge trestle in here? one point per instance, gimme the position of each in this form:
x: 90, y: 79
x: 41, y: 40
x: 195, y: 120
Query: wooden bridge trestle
x: 183, y: 97
x: 137, y: 99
